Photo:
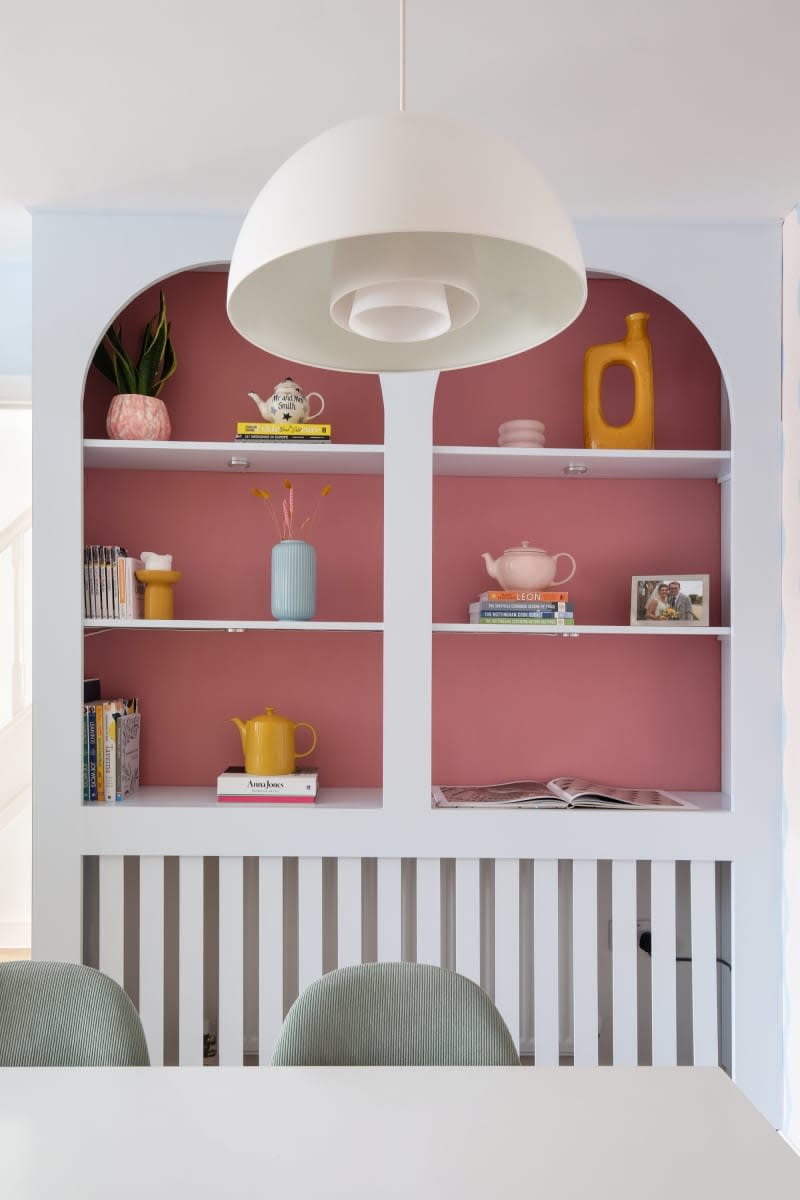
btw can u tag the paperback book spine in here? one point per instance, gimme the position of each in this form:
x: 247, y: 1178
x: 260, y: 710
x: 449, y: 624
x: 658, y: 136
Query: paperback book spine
x: 557, y: 597
x: 532, y: 608
x: 554, y: 622
x: 517, y: 614
x: 91, y: 738
x: 281, y: 429
x: 309, y: 437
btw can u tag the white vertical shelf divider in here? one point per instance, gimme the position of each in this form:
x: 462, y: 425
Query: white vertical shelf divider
x: 506, y: 942
x: 309, y: 920
x: 190, y: 961
x: 545, y: 962
x: 231, y: 961
x: 662, y: 936
x: 270, y: 955
x: 390, y: 910
x: 151, y: 954
x: 468, y: 918
x: 704, y: 964
x: 585, y: 1013
x: 349, y: 912
x: 623, y: 961
x: 429, y: 911
x: 407, y: 575
x: 111, y: 912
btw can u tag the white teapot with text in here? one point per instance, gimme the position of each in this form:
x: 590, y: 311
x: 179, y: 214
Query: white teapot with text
x: 288, y: 404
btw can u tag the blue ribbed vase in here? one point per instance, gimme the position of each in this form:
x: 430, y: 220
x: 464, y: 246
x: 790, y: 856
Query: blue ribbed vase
x: 294, y: 581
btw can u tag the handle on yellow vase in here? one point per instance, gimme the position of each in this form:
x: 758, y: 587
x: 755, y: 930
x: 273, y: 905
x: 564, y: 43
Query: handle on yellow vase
x: 301, y: 725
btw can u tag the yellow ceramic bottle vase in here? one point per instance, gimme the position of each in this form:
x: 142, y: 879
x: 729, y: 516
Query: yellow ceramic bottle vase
x: 636, y: 352
x: 158, y: 600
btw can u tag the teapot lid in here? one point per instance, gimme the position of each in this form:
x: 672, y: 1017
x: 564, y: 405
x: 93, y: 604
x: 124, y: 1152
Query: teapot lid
x: 288, y: 385
x: 269, y: 714
x: 525, y: 548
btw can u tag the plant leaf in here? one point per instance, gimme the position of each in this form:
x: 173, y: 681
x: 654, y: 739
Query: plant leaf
x: 170, y: 363
x: 124, y: 372
x: 149, y: 368
x: 104, y: 362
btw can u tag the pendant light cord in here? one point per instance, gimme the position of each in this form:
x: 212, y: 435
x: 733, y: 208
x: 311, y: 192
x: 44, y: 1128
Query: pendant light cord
x: 402, y: 55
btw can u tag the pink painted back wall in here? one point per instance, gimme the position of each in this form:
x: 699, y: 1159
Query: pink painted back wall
x: 635, y: 710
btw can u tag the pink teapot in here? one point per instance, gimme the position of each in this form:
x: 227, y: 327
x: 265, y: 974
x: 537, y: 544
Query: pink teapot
x: 526, y: 568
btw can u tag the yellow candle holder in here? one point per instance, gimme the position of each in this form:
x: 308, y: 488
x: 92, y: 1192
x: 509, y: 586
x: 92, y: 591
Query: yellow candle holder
x: 158, y: 598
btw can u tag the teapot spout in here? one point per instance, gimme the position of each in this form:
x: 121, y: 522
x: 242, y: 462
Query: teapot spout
x: 262, y: 405
x: 491, y: 565
x: 240, y: 725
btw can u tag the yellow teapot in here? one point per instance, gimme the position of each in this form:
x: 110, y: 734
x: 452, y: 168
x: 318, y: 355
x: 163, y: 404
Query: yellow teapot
x: 268, y: 743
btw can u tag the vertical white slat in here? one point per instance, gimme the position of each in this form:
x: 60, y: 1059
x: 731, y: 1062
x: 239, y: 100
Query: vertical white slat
x: 662, y: 937
x: 506, y: 942
x: 349, y: 912
x: 270, y: 955
x: 429, y: 911
x: 390, y: 910
x: 585, y: 1014
x: 468, y: 918
x: 190, y: 961
x: 704, y: 964
x: 111, y: 913
x: 151, y: 954
x: 231, y: 961
x: 623, y: 962
x: 309, y: 920
x: 545, y: 962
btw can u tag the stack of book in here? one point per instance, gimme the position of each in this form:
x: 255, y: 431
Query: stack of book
x: 110, y: 587
x: 522, y: 608
x: 235, y: 786
x: 110, y: 749
x: 281, y: 431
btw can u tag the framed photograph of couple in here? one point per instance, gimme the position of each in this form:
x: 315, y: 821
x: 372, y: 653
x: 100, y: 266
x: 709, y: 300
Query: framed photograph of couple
x: 673, y: 599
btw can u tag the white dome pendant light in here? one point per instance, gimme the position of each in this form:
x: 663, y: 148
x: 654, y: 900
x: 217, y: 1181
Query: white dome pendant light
x: 404, y: 243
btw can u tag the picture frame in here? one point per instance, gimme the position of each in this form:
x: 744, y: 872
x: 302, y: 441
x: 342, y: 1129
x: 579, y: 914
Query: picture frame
x: 686, y: 604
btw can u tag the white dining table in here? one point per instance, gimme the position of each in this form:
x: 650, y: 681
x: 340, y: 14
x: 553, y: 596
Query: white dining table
x: 461, y: 1132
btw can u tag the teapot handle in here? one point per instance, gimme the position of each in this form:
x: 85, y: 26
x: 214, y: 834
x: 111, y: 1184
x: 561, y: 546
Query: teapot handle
x: 563, y: 554
x: 313, y: 416
x: 301, y: 725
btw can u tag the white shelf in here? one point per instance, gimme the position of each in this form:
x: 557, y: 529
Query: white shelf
x: 667, y: 630
x: 304, y: 458
x: 232, y: 625
x: 599, y: 464
x: 206, y: 798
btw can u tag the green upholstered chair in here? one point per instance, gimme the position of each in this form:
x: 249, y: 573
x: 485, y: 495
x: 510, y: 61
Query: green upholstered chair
x: 55, y: 1014
x: 394, y: 1014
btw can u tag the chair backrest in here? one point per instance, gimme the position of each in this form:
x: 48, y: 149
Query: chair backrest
x: 55, y: 1014
x: 394, y: 1014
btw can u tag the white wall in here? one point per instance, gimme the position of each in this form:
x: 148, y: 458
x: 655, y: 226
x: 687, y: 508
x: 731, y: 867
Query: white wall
x: 791, y: 670
x: 15, y: 317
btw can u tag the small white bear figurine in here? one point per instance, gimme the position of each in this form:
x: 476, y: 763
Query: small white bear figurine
x: 156, y: 562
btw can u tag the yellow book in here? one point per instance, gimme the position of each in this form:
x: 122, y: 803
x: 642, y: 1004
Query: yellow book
x: 280, y: 429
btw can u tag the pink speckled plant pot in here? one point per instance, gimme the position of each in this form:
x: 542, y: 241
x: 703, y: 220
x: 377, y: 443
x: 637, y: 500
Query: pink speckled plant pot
x: 138, y: 418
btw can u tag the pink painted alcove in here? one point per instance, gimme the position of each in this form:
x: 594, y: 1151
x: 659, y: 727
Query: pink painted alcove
x: 220, y: 536
x: 634, y: 710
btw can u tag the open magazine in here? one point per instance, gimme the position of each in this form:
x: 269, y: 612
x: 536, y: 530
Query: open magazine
x: 565, y: 792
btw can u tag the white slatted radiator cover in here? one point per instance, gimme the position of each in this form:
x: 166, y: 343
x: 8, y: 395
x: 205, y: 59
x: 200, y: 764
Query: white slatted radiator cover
x: 554, y: 942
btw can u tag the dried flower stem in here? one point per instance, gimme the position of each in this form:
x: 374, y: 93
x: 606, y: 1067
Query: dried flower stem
x: 284, y: 521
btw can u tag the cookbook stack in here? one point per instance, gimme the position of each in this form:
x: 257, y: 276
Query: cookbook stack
x: 522, y: 608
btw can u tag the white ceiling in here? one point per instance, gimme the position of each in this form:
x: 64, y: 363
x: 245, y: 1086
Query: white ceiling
x: 684, y: 108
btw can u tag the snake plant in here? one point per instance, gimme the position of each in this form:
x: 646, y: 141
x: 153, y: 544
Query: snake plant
x: 156, y: 362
